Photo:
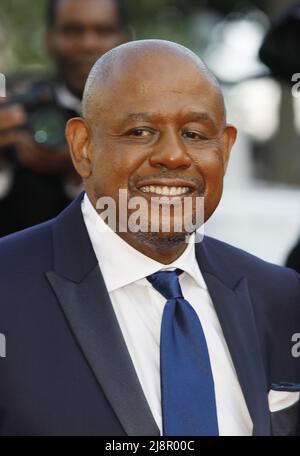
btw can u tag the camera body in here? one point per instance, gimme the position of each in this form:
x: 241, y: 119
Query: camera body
x: 46, y: 118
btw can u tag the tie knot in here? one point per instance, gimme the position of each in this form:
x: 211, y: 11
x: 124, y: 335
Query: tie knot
x: 167, y: 283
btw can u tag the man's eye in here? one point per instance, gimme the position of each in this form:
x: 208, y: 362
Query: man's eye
x: 194, y: 135
x: 71, y: 30
x: 107, y: 31
x: 140, y: 133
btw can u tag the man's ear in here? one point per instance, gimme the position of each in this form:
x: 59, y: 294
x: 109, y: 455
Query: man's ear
x: 78, y: 137
x: 230, y: 134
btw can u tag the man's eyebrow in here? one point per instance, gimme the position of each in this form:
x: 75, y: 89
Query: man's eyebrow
x: 194, y: 115
x: 189, y: 116
x: 139, y: 115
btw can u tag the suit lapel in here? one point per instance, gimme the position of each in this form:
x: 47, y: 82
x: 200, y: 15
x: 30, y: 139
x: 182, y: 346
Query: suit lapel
x: 78, y: 284
x: 233, y: 306
x: 80, y: 289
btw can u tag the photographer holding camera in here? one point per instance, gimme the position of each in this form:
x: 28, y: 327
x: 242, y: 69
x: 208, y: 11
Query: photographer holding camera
x: 37, y: 179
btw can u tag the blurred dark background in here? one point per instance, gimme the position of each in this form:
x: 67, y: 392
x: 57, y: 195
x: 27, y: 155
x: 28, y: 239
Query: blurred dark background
x: 23, y: 23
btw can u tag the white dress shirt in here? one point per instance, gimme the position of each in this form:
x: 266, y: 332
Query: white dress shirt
x: 139, y: 308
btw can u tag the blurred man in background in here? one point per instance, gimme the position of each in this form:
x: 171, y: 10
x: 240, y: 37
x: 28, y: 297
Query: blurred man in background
x: 280, y: 52
x: 37, y: 179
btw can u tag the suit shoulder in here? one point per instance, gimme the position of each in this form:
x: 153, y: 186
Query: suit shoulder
x: 26, y: 246
x: 234, y: 257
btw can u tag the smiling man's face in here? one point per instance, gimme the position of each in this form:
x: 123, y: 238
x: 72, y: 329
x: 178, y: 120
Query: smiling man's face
x: 159, y: 130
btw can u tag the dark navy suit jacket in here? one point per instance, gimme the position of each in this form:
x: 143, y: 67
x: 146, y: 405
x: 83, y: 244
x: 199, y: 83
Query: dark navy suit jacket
x: 67, y: 370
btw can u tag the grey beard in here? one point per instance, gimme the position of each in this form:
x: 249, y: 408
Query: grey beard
x: 161, y: 242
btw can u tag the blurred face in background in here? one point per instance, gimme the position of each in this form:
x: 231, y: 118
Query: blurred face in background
x: 81, y: 33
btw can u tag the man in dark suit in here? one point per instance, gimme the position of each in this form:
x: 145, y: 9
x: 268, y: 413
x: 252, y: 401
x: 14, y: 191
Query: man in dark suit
x: 113, y: 331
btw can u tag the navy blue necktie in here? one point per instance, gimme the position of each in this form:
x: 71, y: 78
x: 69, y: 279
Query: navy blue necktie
x: 187, y: 386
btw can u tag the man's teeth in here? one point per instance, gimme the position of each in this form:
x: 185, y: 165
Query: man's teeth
x: 165, y: 191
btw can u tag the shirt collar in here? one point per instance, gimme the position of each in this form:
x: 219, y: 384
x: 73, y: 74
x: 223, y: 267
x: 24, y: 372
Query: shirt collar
x: 120, y: 263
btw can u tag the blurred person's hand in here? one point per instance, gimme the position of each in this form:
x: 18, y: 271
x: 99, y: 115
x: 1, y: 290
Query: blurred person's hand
x: 30, y: 153
x: 39, y: 159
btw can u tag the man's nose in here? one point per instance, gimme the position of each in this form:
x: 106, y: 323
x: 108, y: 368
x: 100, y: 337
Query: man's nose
x: 90, y: 42
x: 170, y: 152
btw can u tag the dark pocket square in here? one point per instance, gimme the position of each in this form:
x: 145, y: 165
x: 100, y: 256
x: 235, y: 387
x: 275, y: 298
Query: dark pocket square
x: 285, y: 422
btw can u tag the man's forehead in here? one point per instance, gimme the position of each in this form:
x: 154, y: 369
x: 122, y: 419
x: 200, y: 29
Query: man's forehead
x: 149, y: 79
x: 70, y: 10
x: 143, y: 73
x: 156, y: 64
x: 154, y: 91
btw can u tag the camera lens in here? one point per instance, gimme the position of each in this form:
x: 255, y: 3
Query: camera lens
x: 47, y: 125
